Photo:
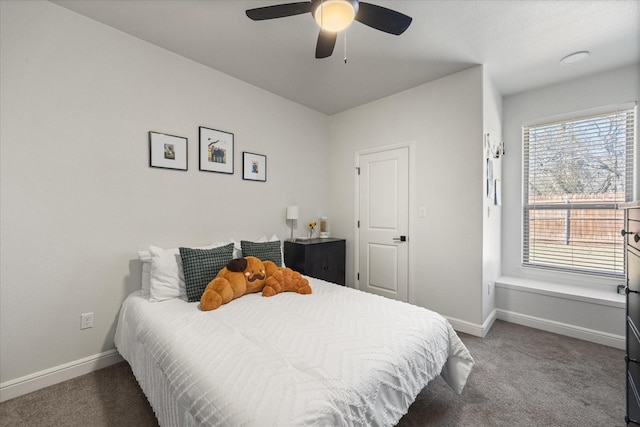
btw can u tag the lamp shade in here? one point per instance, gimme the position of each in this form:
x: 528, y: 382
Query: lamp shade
x: 292, y: 212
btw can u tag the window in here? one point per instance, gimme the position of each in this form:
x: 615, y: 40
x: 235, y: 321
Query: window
x: 576, y: 171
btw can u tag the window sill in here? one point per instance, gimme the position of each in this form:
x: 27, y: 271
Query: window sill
x: 602, y: 296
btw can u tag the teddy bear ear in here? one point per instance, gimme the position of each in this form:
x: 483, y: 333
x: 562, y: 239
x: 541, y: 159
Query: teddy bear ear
x: 237, y: 265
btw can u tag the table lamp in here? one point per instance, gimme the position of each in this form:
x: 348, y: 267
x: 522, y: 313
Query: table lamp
x: 292, y: 215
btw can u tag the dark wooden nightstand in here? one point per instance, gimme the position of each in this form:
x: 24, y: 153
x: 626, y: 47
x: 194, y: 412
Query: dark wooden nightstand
x: 320, y: 258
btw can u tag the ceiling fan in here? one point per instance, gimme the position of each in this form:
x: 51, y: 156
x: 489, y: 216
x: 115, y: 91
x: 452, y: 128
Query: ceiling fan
x: 334, y: 16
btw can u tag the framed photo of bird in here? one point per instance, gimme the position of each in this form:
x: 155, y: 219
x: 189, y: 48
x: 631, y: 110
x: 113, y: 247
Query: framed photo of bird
x: 167, y: 151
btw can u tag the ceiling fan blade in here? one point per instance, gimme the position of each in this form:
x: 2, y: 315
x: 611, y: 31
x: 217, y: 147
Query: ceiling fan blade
x: 279, y: 10
x: 326, y: 43
x: 383, y: 19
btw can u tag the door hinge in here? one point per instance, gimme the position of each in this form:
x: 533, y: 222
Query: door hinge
x: 358, y: 169
x: 358, y: 276
x: 358, y: 223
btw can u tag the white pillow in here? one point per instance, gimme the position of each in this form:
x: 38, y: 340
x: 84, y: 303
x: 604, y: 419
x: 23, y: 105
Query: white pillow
x: 145, y: 259
x: 144, y: 256
x: 237, y: 249
x: 146, y: 277
x: 166, y: 277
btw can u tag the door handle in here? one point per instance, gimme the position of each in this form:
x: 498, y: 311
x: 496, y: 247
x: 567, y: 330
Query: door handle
x: 400, y: 239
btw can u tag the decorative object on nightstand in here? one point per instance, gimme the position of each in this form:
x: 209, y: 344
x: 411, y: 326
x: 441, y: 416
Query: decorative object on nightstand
x: 312, y: 226
x: 320, y: 258
x: 292, y: 215
x: 324, y: 227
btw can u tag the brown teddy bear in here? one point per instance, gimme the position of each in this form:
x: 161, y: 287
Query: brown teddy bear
x: 285, y: 280
x: 240, y: 276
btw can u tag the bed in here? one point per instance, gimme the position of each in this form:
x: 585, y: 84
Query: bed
x: 336, y: 357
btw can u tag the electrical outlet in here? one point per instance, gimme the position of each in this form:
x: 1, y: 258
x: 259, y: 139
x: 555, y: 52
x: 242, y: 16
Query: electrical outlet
x: 489, y: 288
x: 86, y: 320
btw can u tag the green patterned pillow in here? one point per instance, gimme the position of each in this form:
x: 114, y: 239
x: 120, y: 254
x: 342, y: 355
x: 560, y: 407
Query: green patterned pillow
x: 200, y: 266
x: 265, y: 251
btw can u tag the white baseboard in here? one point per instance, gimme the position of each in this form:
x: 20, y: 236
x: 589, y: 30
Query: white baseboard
x: 592, y: 335
x: 473, y: 328
x: 57, y: 374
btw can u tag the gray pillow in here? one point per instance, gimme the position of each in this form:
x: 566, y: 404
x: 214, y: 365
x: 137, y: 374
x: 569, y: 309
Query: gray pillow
x: 265, y: 251
x: 200, y: 266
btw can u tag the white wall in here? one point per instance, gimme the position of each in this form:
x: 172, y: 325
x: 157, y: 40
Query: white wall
x: 610, y: 88
x: 78, y: 198
x: 491, y: 212
x: 597, y: 313
x: 444, y: 120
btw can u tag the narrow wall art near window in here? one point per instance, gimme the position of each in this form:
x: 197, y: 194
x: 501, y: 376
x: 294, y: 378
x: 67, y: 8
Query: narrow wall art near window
x: 167, y: 151
x: 216, y: 151
x: 254, y: 167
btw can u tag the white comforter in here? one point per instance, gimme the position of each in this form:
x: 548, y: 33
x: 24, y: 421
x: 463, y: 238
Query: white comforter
x: 336, y: 357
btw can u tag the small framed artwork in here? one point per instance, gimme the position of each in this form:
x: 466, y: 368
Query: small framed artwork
x: 167, y: 151
x: 216, y: 150
x: 490, y: 182
x: 254, y: 167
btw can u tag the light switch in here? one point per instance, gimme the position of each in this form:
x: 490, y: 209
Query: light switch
x: 422, y: 212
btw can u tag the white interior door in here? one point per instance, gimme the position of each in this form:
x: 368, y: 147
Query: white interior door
x: 383, y: 250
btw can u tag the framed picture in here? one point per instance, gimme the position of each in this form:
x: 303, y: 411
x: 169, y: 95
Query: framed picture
x: 216, y: 150
x: 167, y: 151
x: 254, y: 167
x: 490, y: 182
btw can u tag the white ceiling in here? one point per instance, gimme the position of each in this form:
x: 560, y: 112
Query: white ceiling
x: 520, y: 43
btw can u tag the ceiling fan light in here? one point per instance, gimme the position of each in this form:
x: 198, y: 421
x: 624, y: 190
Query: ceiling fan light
x: 334, y: 15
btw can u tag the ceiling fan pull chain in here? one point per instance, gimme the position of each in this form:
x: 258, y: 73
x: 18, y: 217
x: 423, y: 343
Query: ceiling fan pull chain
x: 345, y: 46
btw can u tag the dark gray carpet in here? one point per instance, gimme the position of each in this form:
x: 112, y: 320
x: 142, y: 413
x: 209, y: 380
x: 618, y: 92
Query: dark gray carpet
x: 522, y: 377
x: 527, y: 377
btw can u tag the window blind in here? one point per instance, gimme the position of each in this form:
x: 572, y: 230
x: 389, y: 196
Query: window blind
x: 575, y: 172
